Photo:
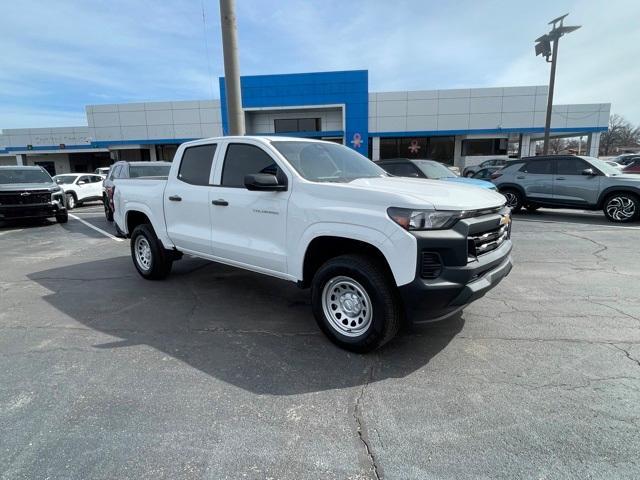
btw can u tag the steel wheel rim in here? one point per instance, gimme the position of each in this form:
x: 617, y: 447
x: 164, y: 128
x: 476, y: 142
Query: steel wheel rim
x: 142, y: 251
x: 71, y: 202
x: 512, y: 199
x: 621, y: 208
x: 347, y: 306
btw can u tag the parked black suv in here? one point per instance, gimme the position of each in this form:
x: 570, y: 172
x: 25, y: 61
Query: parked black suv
x: 29, y: 192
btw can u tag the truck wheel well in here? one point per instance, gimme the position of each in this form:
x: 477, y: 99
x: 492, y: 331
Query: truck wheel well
x: 322, y: 249
x: 135, y: 218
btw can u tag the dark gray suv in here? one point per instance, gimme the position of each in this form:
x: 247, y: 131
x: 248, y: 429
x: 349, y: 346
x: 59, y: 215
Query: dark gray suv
x: 569, y: 181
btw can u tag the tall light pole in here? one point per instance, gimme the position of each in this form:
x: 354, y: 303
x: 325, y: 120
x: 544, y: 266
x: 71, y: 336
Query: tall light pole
x: 235, y: 114
x: 543, y: 47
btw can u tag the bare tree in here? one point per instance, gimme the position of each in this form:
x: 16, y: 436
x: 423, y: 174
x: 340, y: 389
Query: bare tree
x: 621, y: 133
x: 557, y: 145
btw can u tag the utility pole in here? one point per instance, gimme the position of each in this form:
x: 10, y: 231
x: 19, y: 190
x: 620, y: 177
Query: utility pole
x: 543, y: 47
x: 235, y: 114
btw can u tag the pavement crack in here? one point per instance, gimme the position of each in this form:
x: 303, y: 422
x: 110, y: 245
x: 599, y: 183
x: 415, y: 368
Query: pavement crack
x: 601, y: 246
x: 360, y: 424
x: 627, y: 353
x: 615, y: 309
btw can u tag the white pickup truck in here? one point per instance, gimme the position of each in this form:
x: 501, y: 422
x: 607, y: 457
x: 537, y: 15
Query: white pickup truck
x: 375, y: 249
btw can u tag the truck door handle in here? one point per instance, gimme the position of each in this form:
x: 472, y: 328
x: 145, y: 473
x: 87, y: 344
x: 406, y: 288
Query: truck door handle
x: 522, y: 177
x: 220, y: 202
x: 560, y: 178
x: 175, y: 198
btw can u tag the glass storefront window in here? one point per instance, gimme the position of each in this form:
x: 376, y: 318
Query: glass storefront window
x: 484, y: 146
x: 434, y: 148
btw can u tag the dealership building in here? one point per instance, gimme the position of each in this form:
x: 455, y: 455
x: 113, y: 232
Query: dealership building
x: 456, y: 126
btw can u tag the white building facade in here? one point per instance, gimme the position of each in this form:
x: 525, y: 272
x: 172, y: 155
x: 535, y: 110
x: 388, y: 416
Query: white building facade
x: 456, y: 126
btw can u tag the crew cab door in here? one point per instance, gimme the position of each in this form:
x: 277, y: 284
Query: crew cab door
x: 570, y: 186
x: 186, y: 199
x: 249, y: 227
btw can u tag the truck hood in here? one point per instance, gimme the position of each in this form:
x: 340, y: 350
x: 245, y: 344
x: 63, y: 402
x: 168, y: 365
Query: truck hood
x: 436, y: 193
x: 13, y: 187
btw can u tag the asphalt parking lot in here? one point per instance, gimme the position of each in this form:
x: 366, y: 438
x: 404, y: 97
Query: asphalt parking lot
x: 219, y: 373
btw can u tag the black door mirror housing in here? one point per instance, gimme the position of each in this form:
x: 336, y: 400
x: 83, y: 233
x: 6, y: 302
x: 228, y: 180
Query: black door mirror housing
x: 263, y: 182
x: 589, y: 171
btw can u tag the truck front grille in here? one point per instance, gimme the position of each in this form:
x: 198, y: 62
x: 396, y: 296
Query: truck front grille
x: 485, y: 242
x: 431, y: 265
x: 25, y: 198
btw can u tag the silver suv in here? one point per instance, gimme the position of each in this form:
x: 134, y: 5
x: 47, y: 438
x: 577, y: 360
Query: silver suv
x: 569, y: 181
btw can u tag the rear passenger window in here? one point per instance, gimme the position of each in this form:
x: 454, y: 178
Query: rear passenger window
x: 195, y: 166
x: 241, y: 160
x: 541, y: 167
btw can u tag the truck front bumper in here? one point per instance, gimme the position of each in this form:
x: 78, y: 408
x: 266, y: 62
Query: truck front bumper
x: 462, y: 279
x: 39, y: 210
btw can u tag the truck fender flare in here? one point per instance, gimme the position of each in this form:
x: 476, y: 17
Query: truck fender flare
x: 402, y: 273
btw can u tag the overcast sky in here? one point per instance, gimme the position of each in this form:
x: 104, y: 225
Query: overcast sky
x: 56, y: 57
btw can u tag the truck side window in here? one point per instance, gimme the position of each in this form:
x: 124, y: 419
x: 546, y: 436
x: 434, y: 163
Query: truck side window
x: 243, y: 159
x: 195, y: 166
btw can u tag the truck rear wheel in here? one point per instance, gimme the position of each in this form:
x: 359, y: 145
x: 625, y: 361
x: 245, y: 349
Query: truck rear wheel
x: 355, y: 303
x: 148, y: 254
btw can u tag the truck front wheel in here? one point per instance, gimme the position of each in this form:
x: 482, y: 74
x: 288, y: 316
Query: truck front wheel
x: 355, y: 303
x: 148, y: 254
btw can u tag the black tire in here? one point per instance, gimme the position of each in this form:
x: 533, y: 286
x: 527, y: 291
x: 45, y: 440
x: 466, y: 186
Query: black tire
x: 62, y: 217
x: 107, y: 210
x: 159, y: 262
x: 532, y: 208
x: 381, y: 318
x: 514, y: 197
x: 621, y: 207
x: 71, y: 201
x: 469, y: 174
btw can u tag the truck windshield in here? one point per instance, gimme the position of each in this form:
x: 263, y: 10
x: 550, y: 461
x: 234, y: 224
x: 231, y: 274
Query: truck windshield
x: 23, y: 176
x: 136, y: 171
x: 327, y: 162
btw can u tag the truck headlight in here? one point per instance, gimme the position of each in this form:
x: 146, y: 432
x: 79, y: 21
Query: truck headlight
x: 424, y: 219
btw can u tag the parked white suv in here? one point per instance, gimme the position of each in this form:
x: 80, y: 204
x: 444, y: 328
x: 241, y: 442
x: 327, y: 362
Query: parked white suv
x: 373, y: 248
x: 80, y: 187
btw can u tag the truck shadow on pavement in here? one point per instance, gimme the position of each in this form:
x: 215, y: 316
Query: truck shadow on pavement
x: 251, y: 331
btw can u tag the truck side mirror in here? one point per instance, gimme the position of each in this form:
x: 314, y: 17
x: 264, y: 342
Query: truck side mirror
x: 589, y: 171
x: 263, y: 182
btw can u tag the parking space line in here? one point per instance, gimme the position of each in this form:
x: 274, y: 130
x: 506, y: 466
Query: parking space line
x: 619, y: 227
x: 106, y: 234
